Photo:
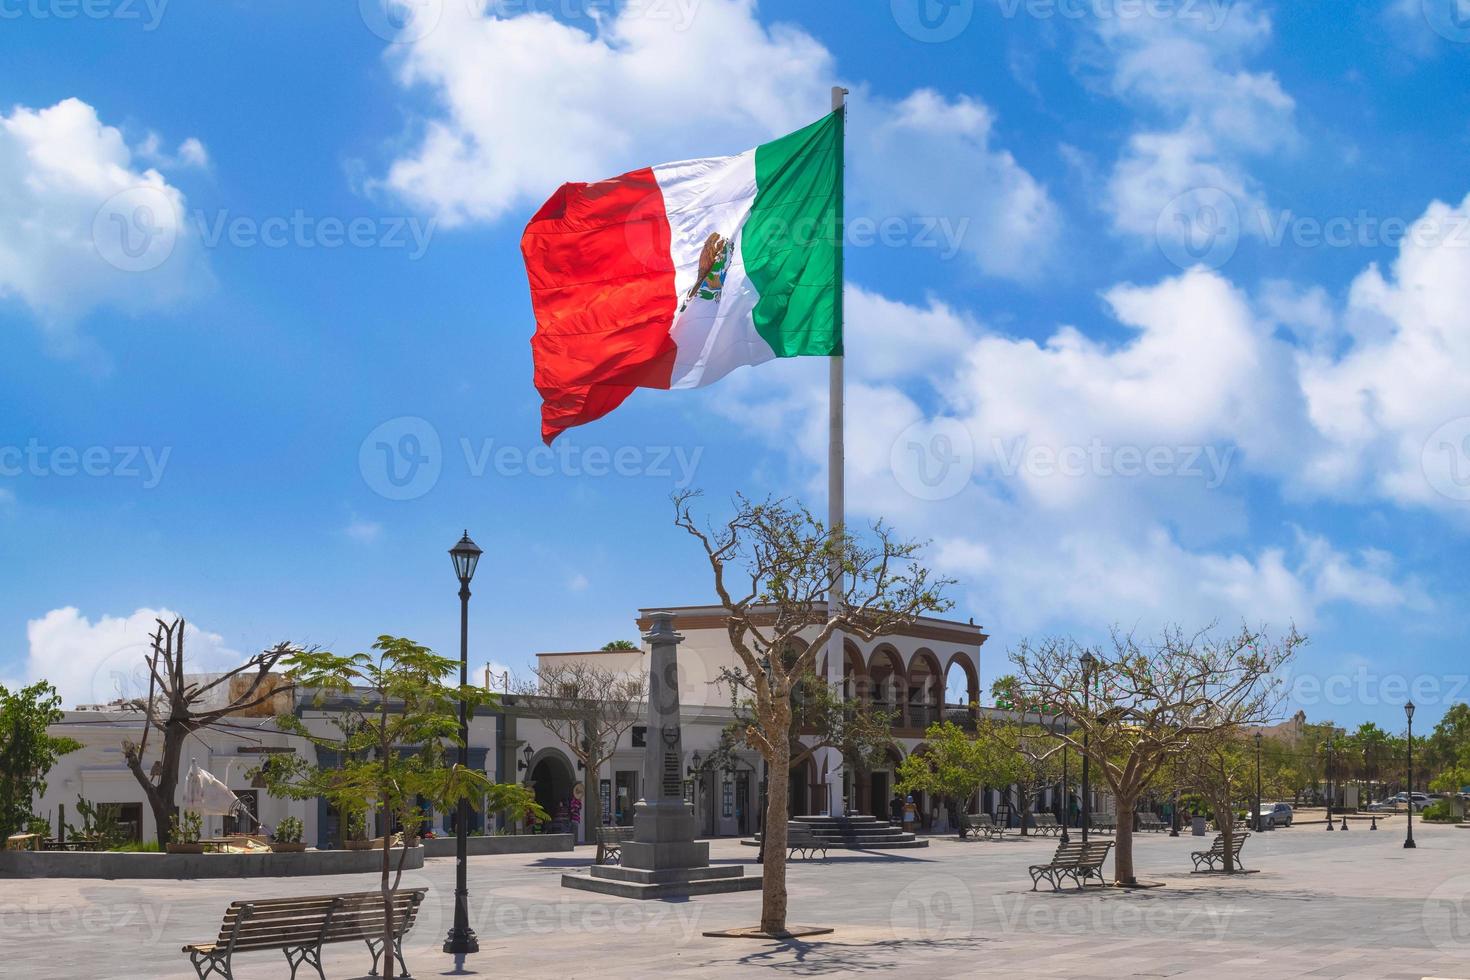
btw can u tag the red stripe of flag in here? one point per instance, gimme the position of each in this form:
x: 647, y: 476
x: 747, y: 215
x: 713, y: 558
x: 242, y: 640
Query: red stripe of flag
x: 602, y: 288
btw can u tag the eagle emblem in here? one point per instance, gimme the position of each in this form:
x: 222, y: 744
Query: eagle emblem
x: 714, y: 262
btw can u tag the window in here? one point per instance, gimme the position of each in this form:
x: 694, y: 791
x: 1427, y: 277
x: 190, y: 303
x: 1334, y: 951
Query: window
x: 129, y: 818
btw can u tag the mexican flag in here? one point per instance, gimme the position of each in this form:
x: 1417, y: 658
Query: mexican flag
x: 673, y: 276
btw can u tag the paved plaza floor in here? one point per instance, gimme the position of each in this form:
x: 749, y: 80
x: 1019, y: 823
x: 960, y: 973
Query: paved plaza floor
x: 1347, y: 905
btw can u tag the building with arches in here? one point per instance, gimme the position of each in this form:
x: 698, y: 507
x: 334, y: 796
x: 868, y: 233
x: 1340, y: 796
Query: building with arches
x: 928, y: 672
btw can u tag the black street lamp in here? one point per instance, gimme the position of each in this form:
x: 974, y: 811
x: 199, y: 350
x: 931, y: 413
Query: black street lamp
x: 527, y: 754
x: 1327, y: 774
x: 1089, y: 664
x: 1409, y: 714
x: 1258, y: 782
x: 461, y: 940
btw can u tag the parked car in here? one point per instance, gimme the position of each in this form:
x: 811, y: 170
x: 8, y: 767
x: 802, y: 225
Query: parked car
x: 1273, y: 815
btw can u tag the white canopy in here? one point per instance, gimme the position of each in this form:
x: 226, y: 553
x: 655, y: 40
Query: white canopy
x: 204, y: 794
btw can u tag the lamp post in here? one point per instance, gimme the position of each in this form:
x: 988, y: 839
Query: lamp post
x: 1089, y: 663
x: 461, y: 940
x: 527, y: 753
x: 1174, y: 816
x: 1409, y: 714
x: 1327, y: 775
x: 1258, y: 782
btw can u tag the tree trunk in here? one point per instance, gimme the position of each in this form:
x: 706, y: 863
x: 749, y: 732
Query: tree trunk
x: 591, y: 803
x: 1023, y: 804
x: 773, y: 838
x: 1225, y: 823
x: 160, y: 797
x: 1123, y: 843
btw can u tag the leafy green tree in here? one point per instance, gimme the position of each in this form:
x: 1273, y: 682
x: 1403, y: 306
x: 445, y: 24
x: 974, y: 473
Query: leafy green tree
x: 612, y: 645
x: 28, y: 750
x: 398, y: 716
x: 953, y: 768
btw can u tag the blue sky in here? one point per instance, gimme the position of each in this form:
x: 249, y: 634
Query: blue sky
x: 1156, y: 314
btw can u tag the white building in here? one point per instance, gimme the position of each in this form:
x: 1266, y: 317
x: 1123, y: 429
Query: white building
x: 908, y: 673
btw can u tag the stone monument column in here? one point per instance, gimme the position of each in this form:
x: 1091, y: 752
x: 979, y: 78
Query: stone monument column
x: 663, y: 824
x: 663, y: 859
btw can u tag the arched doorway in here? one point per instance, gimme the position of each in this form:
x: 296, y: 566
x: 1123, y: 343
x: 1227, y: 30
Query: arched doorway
x: 961, y: 688
x: 924, y: 694
x: 880, y: 782
x: 551, y: 781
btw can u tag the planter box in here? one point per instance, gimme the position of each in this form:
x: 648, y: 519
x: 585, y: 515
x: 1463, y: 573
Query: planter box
x: 106, y: 864
x: 357, y: 845
x: 280, y: 847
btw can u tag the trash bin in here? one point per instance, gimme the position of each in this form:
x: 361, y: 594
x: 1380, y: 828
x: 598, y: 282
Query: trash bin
x: 1197, y: 826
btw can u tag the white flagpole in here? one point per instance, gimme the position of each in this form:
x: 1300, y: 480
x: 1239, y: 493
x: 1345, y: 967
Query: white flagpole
x: 836, y: 511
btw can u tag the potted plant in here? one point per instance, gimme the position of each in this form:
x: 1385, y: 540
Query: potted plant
x: 356, y: 838
x: 185, y: 829
x: 287, y: 838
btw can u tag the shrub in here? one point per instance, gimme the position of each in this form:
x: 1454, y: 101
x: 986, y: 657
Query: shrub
x: 289, y: 831
x: 139, y: 847
x: 186, y: 827
x: 1438, y: 810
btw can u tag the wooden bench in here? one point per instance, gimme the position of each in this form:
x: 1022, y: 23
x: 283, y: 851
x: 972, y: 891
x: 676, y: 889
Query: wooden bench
x: 984, y: 823
x: 1045, y: 825
x: 1104, y: 822
x: 1151, y: 821
x: 799, y: 838
x: 1076, y: 860
x: 300, y: 927
x: 1216, y: 853
x: 610, y: 844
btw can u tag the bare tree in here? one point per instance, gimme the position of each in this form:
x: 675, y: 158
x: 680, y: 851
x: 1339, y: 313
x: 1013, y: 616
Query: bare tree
x: 1220, y: 767
x: 773, y: 564
x: 177, y: 707
x: 1138, y: 706
x: 820, y: 719
x: 588, y: 708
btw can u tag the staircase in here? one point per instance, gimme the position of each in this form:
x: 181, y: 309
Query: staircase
x: 855, y: 833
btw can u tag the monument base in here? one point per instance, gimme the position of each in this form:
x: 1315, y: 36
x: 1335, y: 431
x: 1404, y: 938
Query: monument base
x: 666, y: 883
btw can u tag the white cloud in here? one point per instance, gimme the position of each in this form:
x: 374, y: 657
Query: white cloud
x: 96, y: 662
x: 931, y: 160
x: 1395, y: 407
x: 1205, y: 383
x: 1214, y: 115
x: 365, y: 531
x: 578, y: 583
x: 524, y: 103
x: 81, y: 226
x: 190, y: 153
